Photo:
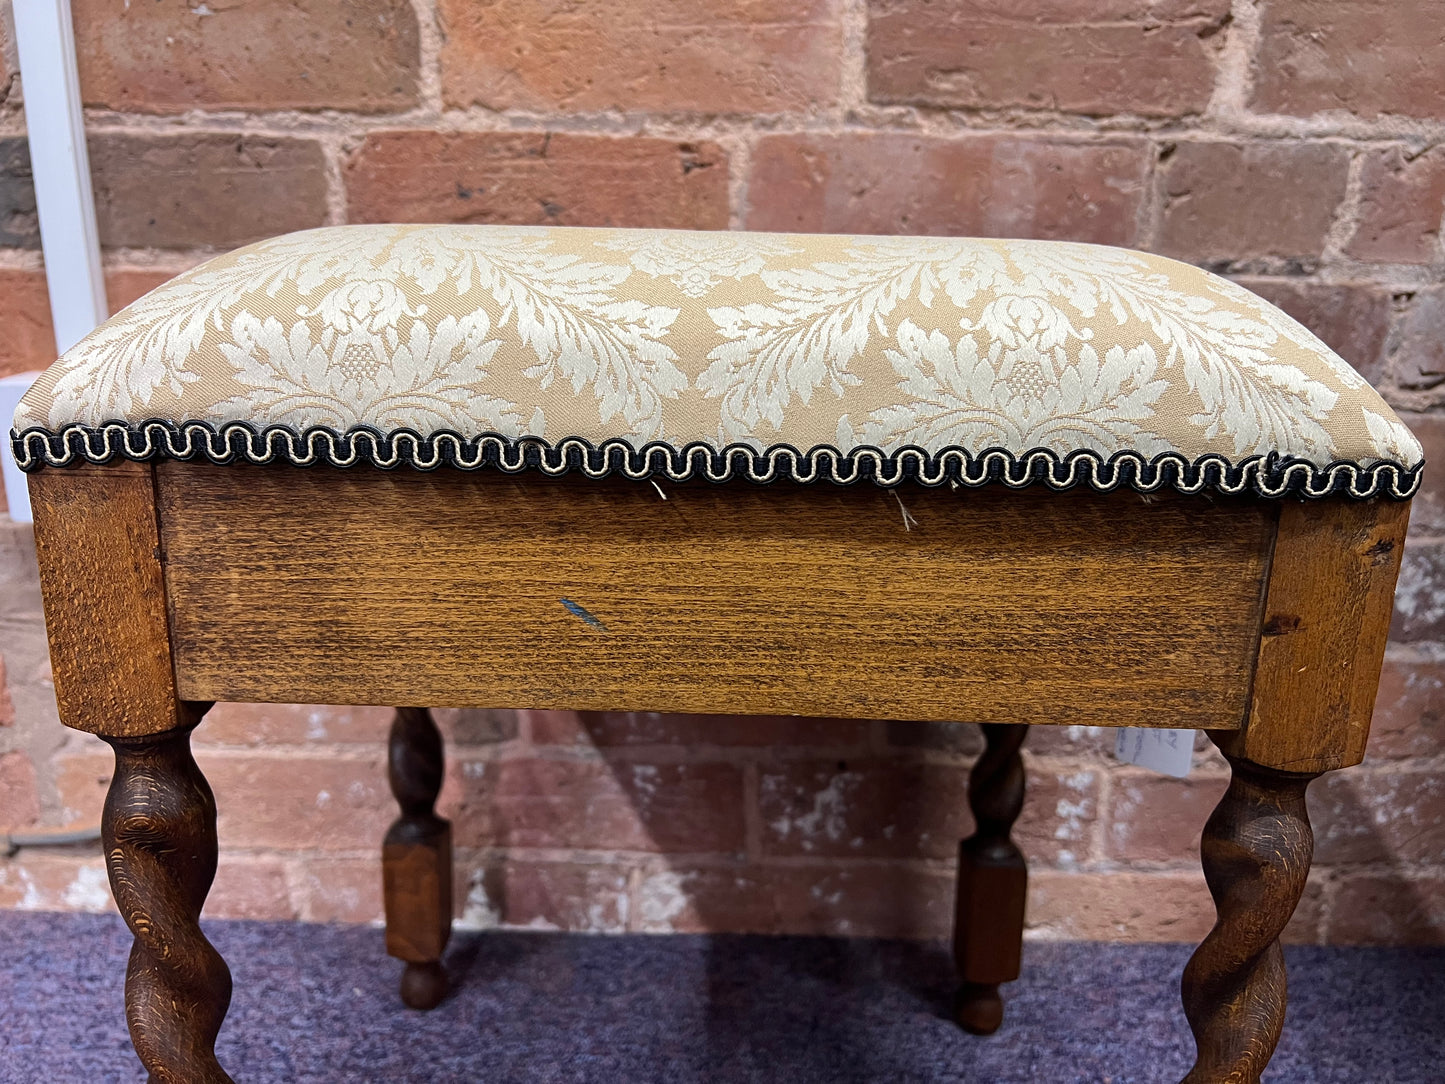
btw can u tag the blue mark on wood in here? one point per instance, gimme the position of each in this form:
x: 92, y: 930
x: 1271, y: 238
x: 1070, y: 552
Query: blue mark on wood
x: 578, y: 611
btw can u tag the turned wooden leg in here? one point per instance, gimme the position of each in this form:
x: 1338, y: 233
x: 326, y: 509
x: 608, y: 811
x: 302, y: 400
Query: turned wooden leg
x: 416, y: 860
x: 159, y: 829
x: 1256, y: 853
x: 988, y: 924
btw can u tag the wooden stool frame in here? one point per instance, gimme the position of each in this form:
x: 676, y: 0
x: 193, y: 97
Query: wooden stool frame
x: 172, y: 585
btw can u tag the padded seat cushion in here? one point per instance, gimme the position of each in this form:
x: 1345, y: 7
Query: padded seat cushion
x: 722, y: 354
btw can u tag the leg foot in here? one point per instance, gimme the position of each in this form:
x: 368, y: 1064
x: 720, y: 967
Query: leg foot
x: 977, y: 1008
x: 416, y: 860
x: 1256, y: 853
x: 423, y: 985
x: 992, y: 883
x: 159, y: 830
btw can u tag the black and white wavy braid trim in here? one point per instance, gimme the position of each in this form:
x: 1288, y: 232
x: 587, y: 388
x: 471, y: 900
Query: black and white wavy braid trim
x: 236, y: 442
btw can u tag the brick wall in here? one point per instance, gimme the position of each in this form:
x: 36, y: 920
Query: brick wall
x: 1295, y: 144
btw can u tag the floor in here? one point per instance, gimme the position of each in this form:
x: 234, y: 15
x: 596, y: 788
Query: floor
x: 317, y: 1003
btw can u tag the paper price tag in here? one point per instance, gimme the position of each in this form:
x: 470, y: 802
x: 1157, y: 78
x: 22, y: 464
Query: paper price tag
x: 1168, y: 752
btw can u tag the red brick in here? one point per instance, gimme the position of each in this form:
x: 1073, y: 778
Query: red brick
x: 711, y: 56
x: 7, y: 707
x: 1091, y: 742
x: 537, y: 178
x: 1230, y: 203
x: 19, y: 800
x: 476, y: 726
x: 575, y: 896
x: 1141, y: 907
x: 610, y: 729
x: 126, y: 284
x: 252, y: 887
x: 863, y: 808
x: 19, y: 224
x: 1427, y: 512
x: 28, y: 341
x: 1395, y: 815
x: 623, y: 805
x: 187, y: 190
x: 960, y: 739
x: 993, y: 186
x: 1364, y: 56
x: 1079, y: 56
x: 298, y: 724
x: 39, y: 881
x: 341, y: 890
x: 1352, y: 318
x: 1153, y: 818
x: 1409, y: 715
x: 1420, y: 594
x: 1060, y: 809
x: 1401, y: 207
x: 292, y: 724
x: 1419, y: 360
x: 8, y: 68
x: 905, y: 809
x: 169, y: 56
x: 1389, y: 909
x: 82, y: 777
x: 837, y: 900
x: 1119, y: 906
x: 300, y: 801
x: 1307, y: 924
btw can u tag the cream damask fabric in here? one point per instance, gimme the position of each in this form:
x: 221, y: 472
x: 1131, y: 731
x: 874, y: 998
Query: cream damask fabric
x: 722, y: 353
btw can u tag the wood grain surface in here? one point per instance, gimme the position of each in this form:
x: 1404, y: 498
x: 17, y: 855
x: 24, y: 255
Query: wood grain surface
x: 159, y: 829
x: 993, y: 883
x: 100, y: 573
x: 1256, y: 852
x: 1331, y: 597
x: 416, y: 859
x: 482, y: 589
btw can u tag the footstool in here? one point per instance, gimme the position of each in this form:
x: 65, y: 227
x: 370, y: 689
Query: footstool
x: 1022, y: 483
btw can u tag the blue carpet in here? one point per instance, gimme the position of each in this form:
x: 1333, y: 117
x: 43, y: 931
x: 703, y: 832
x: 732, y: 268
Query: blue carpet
x: 318, y: 1003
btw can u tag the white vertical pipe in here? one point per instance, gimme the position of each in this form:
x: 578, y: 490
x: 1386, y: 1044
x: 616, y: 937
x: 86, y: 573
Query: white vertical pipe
x: 61, y: 168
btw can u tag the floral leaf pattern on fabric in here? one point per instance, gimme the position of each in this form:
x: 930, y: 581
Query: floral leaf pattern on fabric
x: 127, y: 359
x: 566, y: 309
x: 819, y: 319
x: 763, y: 340
x: 1022, y: 397
x: 431, y: 380
x: 696, y: 263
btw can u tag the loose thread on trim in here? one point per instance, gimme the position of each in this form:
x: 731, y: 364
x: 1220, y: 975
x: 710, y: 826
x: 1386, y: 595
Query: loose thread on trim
x: 908, y: 521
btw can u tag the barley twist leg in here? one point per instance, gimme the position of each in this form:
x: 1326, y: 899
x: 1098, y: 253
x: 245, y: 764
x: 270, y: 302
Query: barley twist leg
x: 159, y: 829
x: 1256, y: 853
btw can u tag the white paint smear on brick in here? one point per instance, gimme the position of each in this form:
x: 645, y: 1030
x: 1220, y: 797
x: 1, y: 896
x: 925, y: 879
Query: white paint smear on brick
x: 478, y: 913
x: 661, y: 900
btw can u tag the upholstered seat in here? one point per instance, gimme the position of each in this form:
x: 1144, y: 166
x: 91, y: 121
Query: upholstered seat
x: 719, y: 354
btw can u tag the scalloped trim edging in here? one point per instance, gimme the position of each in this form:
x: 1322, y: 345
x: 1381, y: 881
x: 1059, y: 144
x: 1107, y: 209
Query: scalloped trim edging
x: 235, y: 442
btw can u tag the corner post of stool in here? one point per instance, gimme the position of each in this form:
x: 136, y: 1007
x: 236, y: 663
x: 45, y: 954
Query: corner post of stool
x: 159, y: 832
x: 98, y: 541
x: 1327, y: 611
x: 417, y: 859
x: 1256, y: 854
x: 992, y: 883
